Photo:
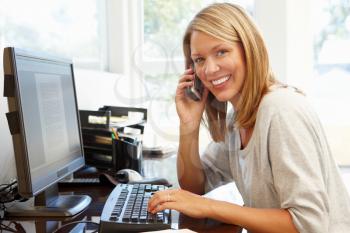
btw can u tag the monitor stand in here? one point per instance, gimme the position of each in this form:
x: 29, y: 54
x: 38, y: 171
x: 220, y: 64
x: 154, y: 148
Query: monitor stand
x: 50, y: 204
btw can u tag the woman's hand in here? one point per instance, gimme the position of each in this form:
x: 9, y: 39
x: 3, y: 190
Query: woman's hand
x: 189, y: 111
x: 191, y: 204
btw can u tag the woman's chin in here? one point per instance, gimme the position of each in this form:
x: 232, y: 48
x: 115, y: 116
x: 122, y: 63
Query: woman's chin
x: 223, y: 97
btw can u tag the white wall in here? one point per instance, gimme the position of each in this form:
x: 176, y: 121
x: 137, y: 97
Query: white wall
x: 96, y: 88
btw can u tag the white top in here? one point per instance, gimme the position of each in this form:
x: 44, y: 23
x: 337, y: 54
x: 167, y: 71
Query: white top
x: 286, y: 164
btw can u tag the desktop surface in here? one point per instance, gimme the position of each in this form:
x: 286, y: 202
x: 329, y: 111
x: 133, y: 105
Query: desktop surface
x: 99, y: 195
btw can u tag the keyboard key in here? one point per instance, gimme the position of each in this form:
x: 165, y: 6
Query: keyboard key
x: 126, y: 218
x: 143, y: 218
x: 135, y: 218
x: 130, y: 207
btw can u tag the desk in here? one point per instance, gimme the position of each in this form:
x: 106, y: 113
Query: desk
x: 99, y: 195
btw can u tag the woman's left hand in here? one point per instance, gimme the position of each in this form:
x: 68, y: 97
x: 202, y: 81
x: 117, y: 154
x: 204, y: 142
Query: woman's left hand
x: 191, y: 204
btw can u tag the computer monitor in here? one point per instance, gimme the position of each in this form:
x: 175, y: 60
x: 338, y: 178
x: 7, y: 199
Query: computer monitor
x: 44, y: 122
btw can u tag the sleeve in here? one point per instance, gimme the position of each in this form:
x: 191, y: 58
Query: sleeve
x: 216, y: 166
x: 298, y: 167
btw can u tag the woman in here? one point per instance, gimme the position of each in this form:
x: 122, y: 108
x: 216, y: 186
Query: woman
x: 271, y: 145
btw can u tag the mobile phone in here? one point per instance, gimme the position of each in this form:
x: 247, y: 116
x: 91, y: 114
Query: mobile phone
x: 195, y: 92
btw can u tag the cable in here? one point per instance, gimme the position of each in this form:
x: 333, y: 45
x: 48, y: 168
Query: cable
x: 75, y: 222
x: 7, y: 185
x: 8, y: 192
x: 2, y: 211
x: 7, y: 227
x: 19, y: 228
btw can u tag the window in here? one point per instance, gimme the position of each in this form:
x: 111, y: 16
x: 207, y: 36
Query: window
x: 331, y: 82
x: 164, y: 25
x: 59, y: 27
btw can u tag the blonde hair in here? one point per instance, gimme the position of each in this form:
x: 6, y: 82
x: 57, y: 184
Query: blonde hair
x: 230, y: 23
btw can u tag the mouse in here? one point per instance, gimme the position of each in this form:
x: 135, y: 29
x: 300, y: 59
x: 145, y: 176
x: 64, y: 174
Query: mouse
x: 128, y: 175
x: 107, y: 180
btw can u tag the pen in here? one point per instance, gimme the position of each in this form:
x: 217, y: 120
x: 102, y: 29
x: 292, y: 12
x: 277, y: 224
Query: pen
x: 115, y: 133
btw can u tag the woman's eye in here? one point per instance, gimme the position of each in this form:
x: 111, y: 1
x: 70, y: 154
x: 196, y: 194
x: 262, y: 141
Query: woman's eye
x: 198, y: 60
x: 221, y: 52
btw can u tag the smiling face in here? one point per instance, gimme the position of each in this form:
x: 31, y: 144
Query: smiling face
x: 220, y: 65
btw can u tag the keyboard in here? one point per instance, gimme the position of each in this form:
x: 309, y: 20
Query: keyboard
x: 79, y: 182
x: 126, y: 210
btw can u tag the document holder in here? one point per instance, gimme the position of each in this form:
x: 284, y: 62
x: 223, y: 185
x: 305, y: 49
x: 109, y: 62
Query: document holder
x: 106, y: 152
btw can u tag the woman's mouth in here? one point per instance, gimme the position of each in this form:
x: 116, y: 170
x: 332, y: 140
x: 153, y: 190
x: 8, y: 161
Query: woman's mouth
x: 220, y: 80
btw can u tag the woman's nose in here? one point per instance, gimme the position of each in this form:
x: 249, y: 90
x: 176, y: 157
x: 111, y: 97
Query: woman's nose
x: 211, y: 66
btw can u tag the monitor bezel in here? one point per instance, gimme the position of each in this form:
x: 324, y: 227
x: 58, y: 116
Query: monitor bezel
x: 26, y: 186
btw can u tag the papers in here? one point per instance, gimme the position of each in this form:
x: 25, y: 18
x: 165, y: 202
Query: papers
x: 115, y: 121
x: 227, y: 192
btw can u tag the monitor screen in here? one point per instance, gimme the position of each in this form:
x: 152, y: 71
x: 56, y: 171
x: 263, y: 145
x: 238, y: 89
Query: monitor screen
x: 48, y: 146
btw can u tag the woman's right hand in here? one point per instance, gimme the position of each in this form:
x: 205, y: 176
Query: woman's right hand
x: 189, y: 111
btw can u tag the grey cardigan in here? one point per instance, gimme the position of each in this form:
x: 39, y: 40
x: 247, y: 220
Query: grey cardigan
x: 286, y: 164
